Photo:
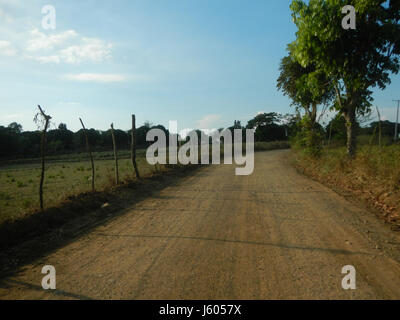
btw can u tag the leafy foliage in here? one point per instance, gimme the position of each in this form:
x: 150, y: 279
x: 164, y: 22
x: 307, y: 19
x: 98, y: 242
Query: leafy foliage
x: 268, y: 127
x: 309, y: 137
x: 307, y: 87
x: 354, y: 60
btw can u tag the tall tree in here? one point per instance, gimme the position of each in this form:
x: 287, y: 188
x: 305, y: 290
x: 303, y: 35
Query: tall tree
x: 356, y: 60
x: 307, y: 87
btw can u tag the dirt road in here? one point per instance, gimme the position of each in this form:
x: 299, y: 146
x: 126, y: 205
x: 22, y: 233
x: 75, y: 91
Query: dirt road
x: 272, y: 235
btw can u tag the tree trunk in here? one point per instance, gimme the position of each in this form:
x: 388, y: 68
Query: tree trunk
x: 115, y: 155
x: 313, y: 115
x: 89, y: 151
x: 330, y: 134
x: 350, y: 117
x: 133, y: 146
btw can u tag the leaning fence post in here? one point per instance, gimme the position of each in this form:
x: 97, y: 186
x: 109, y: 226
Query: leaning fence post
x: 133, y: 146
x: 115, y: 154
x: 89, y: 151
x: 46, y: 119
x: 380, y: 126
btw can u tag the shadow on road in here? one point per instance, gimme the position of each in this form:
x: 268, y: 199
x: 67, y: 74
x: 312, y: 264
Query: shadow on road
x: 38, y: 235
x: 245, y: 242
x: 57, y: 293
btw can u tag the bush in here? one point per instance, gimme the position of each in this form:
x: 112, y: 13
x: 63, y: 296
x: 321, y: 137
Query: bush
x: 309, y: 137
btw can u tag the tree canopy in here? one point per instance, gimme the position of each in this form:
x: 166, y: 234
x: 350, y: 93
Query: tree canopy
x: 307, y: 87
x: 355, y: 61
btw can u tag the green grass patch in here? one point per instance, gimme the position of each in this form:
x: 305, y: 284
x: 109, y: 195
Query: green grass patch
x: 19, y: 184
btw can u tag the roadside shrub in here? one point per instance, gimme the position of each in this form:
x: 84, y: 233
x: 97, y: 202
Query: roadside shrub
x: 309, y: 138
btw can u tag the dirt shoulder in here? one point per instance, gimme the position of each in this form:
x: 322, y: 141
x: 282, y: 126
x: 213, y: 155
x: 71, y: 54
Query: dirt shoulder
x: 355, y: 183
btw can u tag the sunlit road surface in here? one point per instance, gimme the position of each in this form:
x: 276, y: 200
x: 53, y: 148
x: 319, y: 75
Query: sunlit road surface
x: 272, y: 235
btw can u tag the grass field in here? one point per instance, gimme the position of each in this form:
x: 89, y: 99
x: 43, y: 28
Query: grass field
x: 19, y: 183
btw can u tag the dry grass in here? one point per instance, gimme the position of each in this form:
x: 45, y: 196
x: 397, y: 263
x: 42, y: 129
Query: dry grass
x: 19, y: 183
x: 373, y: 175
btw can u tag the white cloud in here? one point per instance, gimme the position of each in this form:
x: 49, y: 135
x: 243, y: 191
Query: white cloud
x: 91, y: 49
x: 67, y: 46
x: 6, y: 48
x: 388, y: 114
x: 46, y: 59
x: 95, y: 77
x: 42, y: 41
x: 208, y: 121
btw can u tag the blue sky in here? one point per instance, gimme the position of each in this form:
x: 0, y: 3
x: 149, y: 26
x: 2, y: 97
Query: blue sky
x: 204, y: 63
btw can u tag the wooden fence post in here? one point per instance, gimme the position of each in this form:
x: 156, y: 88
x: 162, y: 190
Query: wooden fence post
x: 133, y: 146
x: 380, y: 126
x: 89, y: 151
x: 115, y: 154
x: 46, y: 119
x: 330, y: 134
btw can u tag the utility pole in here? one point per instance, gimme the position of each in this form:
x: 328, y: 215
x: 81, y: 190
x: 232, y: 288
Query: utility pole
x: 396, y: 132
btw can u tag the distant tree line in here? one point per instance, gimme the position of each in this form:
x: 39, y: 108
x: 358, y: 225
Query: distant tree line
x: 267, y: 127
x: 16, y: 143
